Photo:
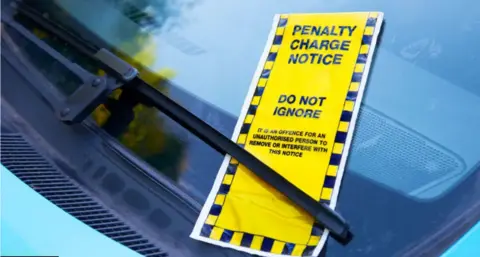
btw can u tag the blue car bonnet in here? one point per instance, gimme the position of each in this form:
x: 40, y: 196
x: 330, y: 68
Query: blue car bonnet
x: 33, y: 226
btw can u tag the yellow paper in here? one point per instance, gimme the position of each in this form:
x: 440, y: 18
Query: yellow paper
x: 298, y: 118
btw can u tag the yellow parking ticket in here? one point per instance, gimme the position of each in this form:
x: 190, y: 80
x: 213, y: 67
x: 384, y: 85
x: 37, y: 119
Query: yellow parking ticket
x: 299, y: 118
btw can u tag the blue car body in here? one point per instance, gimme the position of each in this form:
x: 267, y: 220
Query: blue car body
x: 33, y: 226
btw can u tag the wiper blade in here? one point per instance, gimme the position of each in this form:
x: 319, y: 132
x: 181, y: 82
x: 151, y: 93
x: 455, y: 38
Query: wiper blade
x: 323, y: 215
x: 138, y: 91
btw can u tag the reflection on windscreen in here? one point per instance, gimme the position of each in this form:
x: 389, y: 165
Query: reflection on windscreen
x: 42, y: 62
x: 411, y: 138
x: 146, y: 134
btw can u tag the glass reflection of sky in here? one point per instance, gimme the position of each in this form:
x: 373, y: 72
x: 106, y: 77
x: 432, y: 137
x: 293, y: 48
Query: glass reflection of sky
x: 436, y: 35
x: 424, y: 74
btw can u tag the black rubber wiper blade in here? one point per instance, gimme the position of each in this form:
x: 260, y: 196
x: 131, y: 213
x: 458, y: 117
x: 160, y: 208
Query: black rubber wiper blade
x: 144, y: 93
x: 323, y: 214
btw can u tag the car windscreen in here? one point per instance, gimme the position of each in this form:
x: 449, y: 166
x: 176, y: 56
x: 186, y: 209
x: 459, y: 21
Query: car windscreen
x: 413, y: 165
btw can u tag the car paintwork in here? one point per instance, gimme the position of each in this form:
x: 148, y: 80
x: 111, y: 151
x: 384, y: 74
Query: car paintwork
x: 33, y: 226
x: 466, y: 246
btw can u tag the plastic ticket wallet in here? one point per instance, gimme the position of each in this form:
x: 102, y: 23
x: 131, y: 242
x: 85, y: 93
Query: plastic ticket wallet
x: 299, y: 118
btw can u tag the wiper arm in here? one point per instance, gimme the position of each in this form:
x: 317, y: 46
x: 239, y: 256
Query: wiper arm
x: 138, y: 91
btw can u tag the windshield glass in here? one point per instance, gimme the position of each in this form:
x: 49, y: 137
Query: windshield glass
x: 414, y: 163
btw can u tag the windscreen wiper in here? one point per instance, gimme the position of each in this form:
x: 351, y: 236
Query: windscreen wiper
x: 136, y: 91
